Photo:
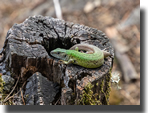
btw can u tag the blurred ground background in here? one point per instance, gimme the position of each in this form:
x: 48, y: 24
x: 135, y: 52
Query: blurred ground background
x: 119, y: 19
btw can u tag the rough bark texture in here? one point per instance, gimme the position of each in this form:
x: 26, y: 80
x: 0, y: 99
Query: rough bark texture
x: 27, y: 51
x: 39, y: 90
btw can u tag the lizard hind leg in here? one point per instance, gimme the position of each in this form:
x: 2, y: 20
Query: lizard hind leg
x: 76, y: 48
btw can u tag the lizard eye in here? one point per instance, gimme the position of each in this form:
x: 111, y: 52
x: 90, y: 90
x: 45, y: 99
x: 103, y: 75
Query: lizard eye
x: 58, y: 52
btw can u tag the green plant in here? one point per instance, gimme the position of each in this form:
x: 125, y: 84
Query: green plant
x: 88, y: 97
x: 1, y: 88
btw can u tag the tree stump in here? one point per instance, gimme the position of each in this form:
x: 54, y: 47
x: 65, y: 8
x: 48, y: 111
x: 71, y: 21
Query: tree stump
x: 27, y: 49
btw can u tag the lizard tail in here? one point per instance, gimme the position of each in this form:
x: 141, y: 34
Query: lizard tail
x: 106, y: 54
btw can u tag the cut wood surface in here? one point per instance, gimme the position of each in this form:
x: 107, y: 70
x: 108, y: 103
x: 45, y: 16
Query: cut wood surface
x: 27, y: 49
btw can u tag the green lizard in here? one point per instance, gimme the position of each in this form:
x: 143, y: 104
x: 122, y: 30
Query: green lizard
x: 93, y: 60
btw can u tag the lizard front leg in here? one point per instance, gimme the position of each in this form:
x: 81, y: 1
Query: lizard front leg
x: 70, y: 61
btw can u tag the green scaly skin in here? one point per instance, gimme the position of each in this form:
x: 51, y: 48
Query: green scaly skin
x: 94, y: 60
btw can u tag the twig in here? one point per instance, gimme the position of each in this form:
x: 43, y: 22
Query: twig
x: 11, y: 90
x: 57, y: 9
x: 128, y: 97
x: 57, y: 101
x: 10, y: 98
x: 17, y: 92
x: 22, y: 96
x: 24, y: 84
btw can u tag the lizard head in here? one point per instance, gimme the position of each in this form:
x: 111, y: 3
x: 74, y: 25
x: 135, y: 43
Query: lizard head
x: 60, y: 54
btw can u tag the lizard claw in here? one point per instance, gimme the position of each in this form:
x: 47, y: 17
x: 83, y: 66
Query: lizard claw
x: 60, y: 61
